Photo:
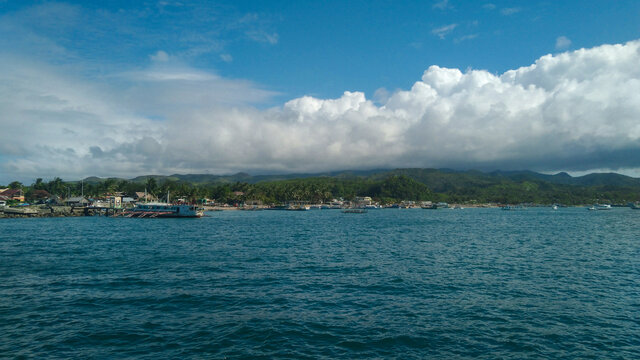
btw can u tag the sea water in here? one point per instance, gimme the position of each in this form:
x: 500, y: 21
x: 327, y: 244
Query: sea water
x: 393, y: 283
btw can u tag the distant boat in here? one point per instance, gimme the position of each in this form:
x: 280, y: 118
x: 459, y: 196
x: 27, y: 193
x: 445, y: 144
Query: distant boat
x: 600, y: 207
x: 635, y: 206
x: 431, y: 206
x: 354, y: 211
x: 555, y: 207
x: 299, y: 208
x: 512, y: 207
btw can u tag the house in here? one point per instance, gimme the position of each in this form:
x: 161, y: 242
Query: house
x: 76, y: 201
x: 40, y: 195
x: 14, y: 194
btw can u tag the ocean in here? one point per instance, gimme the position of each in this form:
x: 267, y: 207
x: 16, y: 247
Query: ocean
x: 321, y: 284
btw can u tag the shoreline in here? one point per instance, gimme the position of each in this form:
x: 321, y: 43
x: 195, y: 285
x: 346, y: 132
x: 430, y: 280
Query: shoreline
x: 46, y: 211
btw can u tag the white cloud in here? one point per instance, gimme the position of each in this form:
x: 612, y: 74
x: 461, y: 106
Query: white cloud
x: 226, y: 58
x: 562, y: 43
x: 465, y: 37
x: 510, y: 11
x: 573, y: 111
x: 443, y: 31
x: 263, y: 36
x: 159, y: 56
x: 442, y: 4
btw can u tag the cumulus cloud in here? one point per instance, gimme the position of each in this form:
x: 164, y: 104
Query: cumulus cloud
x: 572, y: 111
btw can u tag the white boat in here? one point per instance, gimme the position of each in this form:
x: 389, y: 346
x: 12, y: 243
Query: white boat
x: 601, y: 207
x: 164, y: 210
x: 555, y: 207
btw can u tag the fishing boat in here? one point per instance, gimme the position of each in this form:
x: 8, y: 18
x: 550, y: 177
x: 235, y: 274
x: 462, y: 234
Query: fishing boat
x: 164, y: 210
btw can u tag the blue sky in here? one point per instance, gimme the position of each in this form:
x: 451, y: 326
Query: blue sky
x: 110, y: 78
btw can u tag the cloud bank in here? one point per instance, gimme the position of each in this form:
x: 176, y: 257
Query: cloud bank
x: 574, y: 111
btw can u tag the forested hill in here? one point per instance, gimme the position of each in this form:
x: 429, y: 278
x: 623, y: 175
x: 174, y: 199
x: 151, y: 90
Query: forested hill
x: 404, y: 184
x: 436, y: 179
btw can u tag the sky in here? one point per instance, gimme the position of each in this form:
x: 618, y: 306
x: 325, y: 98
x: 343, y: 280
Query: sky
x: 128, y: 88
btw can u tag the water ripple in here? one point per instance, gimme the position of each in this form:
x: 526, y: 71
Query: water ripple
x: 405, y: 284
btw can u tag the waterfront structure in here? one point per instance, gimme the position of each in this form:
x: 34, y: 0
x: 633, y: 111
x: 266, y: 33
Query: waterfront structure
x: 76, y: 201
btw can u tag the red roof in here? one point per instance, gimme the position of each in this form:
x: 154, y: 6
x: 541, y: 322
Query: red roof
x: 11, y: 192
x: 40, y: 194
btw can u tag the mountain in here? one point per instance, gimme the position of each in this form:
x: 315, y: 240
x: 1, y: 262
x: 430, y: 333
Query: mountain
x: 439, y: 180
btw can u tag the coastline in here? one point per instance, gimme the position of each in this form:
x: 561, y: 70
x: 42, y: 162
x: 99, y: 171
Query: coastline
x: 47, y: 211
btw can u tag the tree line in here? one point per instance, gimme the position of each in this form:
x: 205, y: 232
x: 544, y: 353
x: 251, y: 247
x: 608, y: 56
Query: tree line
x: 389, y: 189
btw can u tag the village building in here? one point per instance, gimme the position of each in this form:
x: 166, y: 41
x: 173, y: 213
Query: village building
x: 76, y: 201
x: 40, y: 195
x: 13, y: 194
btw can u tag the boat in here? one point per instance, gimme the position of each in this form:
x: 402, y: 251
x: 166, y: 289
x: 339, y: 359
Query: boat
x: 428, y: 205
x: 442, y: 205
x: 512, y: 207
x: 555, y: 207
x: 635, y: 206
x: 164, y: 210
x: 354, y: 211
x: 600, y: 207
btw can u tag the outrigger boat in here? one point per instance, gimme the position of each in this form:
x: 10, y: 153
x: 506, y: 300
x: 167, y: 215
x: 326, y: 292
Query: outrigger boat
x: 164, y: 210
